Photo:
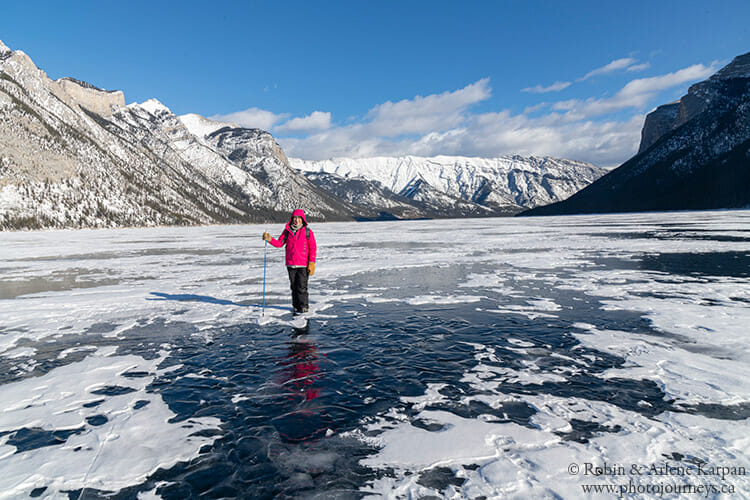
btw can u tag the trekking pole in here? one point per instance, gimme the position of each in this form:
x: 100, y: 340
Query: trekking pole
x: 263, y: 307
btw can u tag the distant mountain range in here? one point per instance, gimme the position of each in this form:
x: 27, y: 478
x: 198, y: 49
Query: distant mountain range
x: 73, y: 156
x: 449, y: 185
x: 694, y: 154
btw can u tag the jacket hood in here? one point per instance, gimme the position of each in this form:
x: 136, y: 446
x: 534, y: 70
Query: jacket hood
x: 298, y: 213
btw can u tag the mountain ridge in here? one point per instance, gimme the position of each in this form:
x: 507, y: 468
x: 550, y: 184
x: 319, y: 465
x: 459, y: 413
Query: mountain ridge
x: 503, y: 185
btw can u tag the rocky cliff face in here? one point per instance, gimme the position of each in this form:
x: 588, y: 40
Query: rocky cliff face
x: 700, y: 161
x: 700, y: 97
x: 101, y: 102
x: 658, y: 122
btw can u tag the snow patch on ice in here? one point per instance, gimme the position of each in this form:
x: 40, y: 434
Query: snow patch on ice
x: 124, y: 447
x: 507, y: 460
x: 22, y: 352
x: 688, y: 377
x: 437, y: 299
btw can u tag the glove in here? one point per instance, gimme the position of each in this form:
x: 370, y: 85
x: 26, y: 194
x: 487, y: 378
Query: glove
x: 266, y: 237
x: 310, y: 268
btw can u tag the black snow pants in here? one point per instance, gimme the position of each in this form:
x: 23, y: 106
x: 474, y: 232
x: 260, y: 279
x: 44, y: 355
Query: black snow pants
x: 298, y: 282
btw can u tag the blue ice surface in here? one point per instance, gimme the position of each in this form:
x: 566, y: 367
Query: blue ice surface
x: 285, y: 395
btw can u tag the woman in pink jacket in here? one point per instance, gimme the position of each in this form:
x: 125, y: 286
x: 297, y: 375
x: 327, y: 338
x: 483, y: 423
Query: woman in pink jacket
x: 301, y: 251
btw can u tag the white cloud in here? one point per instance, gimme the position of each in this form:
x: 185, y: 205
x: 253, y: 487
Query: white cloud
x: 636, y: 94
x: 317, y: 120
x: 536, y: 107
x: 657, y: 83
x: 555, y: 87
x: 606, y: 143
x: 625, y: 63
x: 638, y: 67
x: 425, y: 114
x: 615, y: 65
x: 252, y: 118
x: 418, y: 117
x: 604, y: 130
x: 489, y: 135
x: 565, y: 105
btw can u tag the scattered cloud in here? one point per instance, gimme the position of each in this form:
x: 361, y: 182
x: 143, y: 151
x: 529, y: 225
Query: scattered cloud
x: 615, y: 65
x: 657, y: 83
x: 605, y: 143
x: 555, y: 87
x: 422, y: 115
x: 602, y: 130
x: 252, y: 118
x: 536, y: 107
x: 317, y: 120
x: 638, y: 67
x: 625, y: 63
x: 489, y: 135
x: 636, y: 94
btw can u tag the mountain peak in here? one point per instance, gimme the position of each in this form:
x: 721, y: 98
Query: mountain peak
x: 20, y: 57
x: 5, y: 52
x: 154, y: 107
x: 738, y: 68
x: 201, y: 126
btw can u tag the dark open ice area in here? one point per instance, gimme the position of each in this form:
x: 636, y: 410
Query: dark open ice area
x: 476, y: 358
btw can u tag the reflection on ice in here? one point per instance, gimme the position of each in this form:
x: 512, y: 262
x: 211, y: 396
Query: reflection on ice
x: 58, y: 281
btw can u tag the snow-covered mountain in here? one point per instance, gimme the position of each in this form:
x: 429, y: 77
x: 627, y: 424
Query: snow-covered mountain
x: 76, y: 156
x: 490, y: 185
x: 694, y: 154
x: 73, y: 155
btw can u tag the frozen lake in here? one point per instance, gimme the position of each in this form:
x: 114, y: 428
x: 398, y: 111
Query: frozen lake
x: 477, y: 358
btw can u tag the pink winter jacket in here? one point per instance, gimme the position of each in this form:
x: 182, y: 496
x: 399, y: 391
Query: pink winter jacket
x: 299, y: 249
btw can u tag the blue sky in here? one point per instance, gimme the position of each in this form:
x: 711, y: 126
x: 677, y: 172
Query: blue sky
x: 571, y: 79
